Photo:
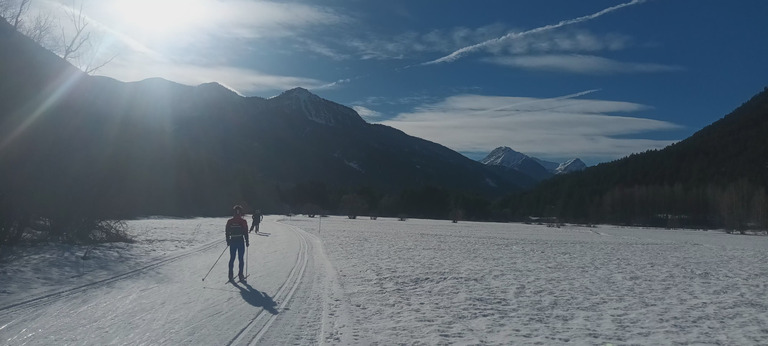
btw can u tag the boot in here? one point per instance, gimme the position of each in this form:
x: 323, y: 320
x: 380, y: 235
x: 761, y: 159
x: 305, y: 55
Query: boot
x: 241, y: 277
x: 231, y: 276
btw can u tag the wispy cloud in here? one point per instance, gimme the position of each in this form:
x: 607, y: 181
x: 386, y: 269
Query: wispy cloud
x: 551, y: 127
x: 412, y: 45
x: 568, y: 41
x: 194, y: 20
x: 321, y: 49
x: 367, y: 113
x: 334, y: 85
x: 371, y: 46
x: 516, y: 35
x: 245, y: 18
x: 205, y: 50
x: 415, y: 99
x: 244, y: 81
x: 585, y: 64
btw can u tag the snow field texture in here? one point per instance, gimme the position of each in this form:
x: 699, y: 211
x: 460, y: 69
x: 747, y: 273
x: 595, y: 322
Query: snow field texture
x: 380, y: 282
x: 434, y: 282
x: 149, y: 292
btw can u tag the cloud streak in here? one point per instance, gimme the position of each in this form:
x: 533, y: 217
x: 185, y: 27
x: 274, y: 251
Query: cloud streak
x: 485, y: 44
x: 582, y: 64
x: 367, y: 113
x: 548, y: 127
x: 244, y: 81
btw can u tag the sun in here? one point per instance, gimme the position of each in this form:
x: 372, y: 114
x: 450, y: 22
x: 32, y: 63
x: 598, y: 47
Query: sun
x: 160, y: 17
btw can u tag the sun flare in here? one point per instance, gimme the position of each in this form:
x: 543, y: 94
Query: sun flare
x: 161, y: 17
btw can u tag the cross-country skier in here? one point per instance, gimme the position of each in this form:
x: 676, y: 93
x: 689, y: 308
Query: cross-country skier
x: 256, y: 220
x: 237, y: 239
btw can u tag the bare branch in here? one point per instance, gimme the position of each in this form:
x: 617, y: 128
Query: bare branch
x: 91, y: 69
x: 40, y: 31
x: 21, y: 11
x: 73, y: 46
x: 14, y: 11
x: 75, y: 43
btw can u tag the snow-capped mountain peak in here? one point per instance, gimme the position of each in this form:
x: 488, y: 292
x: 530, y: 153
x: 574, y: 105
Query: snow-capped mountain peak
x: 573, y: 165
x: 299, y: 93
x: 317, y: 109
x: 504, y: 156
x: 534, y: 167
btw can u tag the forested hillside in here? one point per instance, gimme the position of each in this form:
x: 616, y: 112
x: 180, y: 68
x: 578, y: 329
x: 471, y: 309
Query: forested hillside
x: 715, y: 178
x: 76, y: 150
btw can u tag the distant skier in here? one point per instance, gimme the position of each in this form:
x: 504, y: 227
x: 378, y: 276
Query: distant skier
x: 256, y: 220
x: 237, y: 239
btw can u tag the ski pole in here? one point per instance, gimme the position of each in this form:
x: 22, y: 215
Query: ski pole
x: 214, y: 263
x: 246, y: 261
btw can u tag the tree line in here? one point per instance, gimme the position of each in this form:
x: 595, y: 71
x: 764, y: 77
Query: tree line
x: 739, y: 206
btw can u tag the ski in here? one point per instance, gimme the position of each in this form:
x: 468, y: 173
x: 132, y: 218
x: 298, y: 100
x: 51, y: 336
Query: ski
x: 236, y: 280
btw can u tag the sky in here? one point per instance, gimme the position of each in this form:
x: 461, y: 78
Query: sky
x: 554, y: 79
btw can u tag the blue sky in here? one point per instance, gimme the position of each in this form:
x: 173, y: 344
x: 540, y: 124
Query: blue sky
x: 555, y: 79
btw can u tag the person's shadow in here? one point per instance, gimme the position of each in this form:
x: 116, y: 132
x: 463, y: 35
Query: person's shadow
x: 258, y: 299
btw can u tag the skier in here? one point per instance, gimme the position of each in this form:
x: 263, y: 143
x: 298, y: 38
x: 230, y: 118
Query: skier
x: 257, y: 217
x: 237, y: 238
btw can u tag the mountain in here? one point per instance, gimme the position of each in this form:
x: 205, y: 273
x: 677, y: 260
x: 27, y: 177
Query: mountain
x: 504, y: 156
x: 533, y: 167
x: 73, y: 143
x: 322, y: 111
x: 714, y: 178
x: 513, y: 161
x: 570, y: 166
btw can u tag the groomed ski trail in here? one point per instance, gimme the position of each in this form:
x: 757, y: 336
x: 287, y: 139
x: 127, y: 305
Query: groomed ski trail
x: 34, y: 302
x: 256, y: 328
x: 311, y: 304
x: 292, y: 296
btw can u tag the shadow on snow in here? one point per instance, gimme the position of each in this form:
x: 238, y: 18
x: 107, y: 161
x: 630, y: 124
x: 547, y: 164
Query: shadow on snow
x: 256, y: 298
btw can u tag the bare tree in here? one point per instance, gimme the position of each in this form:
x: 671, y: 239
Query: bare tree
x: 72, y: 44
x: 77, y: 46
x: 14, y: 11
x: 40, y: 29
x: 75, y: 42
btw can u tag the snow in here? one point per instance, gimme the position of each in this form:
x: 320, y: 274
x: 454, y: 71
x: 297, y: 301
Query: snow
x: 349, y: 282
x: 504, y: 156
x: 572, y: 165
x: 354, y: 165
x: 317, y: 109
x: 507, y: 157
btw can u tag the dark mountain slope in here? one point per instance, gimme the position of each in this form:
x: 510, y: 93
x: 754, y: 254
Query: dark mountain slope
x: 75, y: 144
x: 715, y: 178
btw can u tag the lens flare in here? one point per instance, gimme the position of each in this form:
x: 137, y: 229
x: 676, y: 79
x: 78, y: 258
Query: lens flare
x: 160, y: 17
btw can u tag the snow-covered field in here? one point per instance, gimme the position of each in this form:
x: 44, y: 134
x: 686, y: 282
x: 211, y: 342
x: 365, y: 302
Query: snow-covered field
x: 341, y: 281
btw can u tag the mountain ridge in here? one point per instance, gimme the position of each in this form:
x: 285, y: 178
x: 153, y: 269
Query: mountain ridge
x: 534, y: 167
x: 160, y: 147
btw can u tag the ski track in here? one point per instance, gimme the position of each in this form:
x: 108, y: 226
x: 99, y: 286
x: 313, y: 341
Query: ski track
x: 425, y: 282
x: 48, y: 298
x: 314, y: 311
x: 256, y: 328
x: 158, y: 303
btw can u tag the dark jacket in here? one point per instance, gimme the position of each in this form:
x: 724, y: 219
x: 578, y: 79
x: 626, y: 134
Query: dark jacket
x: 237, y: 229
